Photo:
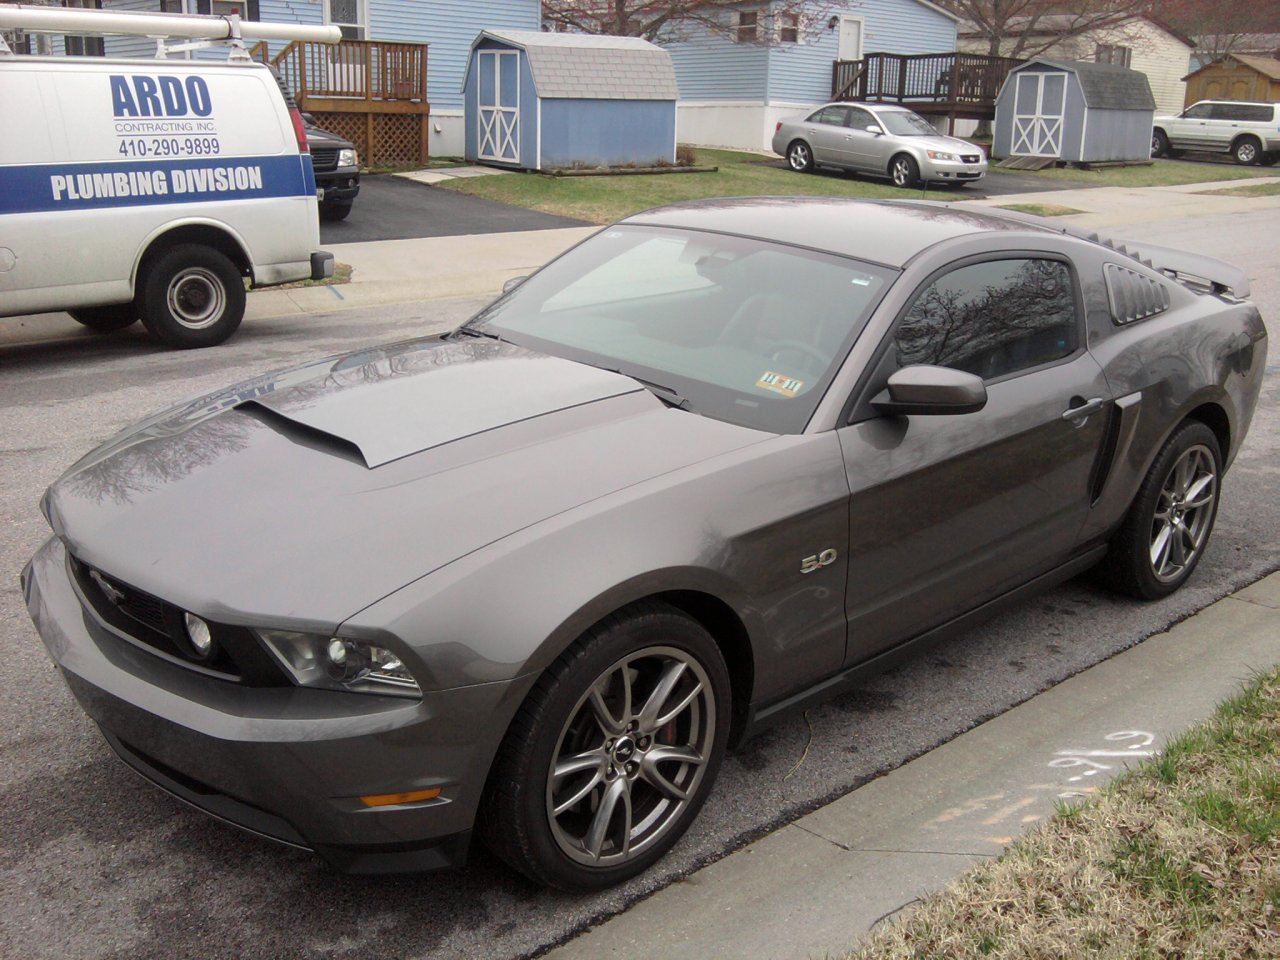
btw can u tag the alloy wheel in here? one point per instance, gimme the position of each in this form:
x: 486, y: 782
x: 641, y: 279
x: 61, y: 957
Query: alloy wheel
x: 631, y: 756
x: 799, y: 157
x: 1184, y: 513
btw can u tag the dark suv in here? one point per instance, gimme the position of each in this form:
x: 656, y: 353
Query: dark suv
x: 1250, y: 132
x: 337, y: 168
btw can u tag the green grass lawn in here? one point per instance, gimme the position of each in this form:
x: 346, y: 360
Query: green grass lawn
x: 1249, y: 190
x: 605, y: 199
x: 1162, y: 173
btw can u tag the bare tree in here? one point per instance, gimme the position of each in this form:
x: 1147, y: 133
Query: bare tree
x: 663, y: 21
x: 1220, y: 29
x: 1025, y: 28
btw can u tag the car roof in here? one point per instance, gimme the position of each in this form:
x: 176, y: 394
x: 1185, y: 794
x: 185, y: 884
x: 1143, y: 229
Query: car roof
x: 888, y: 232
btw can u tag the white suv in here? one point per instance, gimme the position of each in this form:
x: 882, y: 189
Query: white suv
x: 1250, y: 132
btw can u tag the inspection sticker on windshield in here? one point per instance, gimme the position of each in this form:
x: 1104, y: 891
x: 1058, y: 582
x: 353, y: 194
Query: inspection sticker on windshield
x: 776, y: 382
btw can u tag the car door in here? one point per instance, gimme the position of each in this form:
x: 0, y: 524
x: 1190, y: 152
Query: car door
x: 863, y: 148
x: 947, y: 512
x: 1189, y: 130
x: 826, y: 131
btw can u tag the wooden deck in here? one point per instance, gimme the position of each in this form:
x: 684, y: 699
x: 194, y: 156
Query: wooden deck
x: 955, y: 85
x: 371, y: 92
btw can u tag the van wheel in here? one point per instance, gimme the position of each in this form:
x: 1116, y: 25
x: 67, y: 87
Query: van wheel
x: 107, y: 319
x: 337, y: 210
x: 192, y: 296
x: 1247, y: 151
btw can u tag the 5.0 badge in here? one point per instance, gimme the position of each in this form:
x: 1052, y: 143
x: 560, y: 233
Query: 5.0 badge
x: 823, y: 559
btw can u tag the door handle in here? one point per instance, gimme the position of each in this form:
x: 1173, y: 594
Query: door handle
x: 1088, y: 408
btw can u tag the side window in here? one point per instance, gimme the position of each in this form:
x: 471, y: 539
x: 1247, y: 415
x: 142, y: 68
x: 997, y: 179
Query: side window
x: 1198, y: 111
x: 831, y: 115
x: 992, y: 318
x: 1226, y: 111
x: 860, y: 119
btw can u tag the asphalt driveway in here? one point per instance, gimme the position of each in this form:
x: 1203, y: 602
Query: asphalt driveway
x: 392, y: 208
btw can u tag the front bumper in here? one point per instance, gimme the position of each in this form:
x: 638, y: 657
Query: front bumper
x: 341, y: 186
x: 952, y: 172
x: 288, y: 764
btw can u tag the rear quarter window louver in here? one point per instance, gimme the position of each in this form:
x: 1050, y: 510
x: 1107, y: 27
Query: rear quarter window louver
x: 1134, y: 296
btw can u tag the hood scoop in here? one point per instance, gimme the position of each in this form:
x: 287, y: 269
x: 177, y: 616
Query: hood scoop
x: 396, y: 402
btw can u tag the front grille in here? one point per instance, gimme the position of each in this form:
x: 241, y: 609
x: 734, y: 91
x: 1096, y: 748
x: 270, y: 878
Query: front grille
x: 324, y: 159
x: 158, y: 624
x: 970, y: 157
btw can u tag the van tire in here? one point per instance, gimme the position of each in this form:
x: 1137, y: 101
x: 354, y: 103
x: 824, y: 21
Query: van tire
x: 107, y: 319
x: 192, y: 296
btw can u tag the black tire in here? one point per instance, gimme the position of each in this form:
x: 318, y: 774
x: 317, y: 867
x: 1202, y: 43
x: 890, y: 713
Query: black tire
x: 107, y: 319
x: 1159, y: 144
x: 904, y: 171
x: 192, y: 296
x: 1136, y: 564
x: 1247, y: 151
x: 335, y: 209
x: 800, y: 156
x: 1269, y: 159
x: 532, y: 820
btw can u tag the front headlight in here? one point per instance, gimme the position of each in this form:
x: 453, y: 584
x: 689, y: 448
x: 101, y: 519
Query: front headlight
x: 336, y: 663
x: 942, y: 155
x: 348, y: 158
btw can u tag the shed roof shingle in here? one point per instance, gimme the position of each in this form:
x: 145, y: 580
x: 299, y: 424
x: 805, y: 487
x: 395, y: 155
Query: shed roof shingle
x: 583, y: 66
x: 1106, y: 86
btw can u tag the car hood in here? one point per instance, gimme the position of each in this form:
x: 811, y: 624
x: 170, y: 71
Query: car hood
x: 949, y: 144
x: 304, y: 496
x: 323, y: 138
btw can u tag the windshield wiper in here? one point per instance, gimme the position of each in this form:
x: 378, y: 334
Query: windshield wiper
x: 471, y: 332
x: 660, y: 390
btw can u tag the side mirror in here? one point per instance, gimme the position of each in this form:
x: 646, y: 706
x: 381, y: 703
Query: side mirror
x: 872, y: 128
x: 928, y: 390
x: 513, y: 283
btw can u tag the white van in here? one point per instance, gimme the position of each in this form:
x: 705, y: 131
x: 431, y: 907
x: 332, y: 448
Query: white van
x: 150, y: 189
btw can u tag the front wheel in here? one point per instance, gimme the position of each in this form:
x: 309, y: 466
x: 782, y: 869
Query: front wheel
x: 107, y: 319
x: 613, y: 754
x: 904, y: 171
x: 1247, y: 151
x: 800, y: 157
x: 192, y: 296
x: 1167, y: 528
x: 335, y: 209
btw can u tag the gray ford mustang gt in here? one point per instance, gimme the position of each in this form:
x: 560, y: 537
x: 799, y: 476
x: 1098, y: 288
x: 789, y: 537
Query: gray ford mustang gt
x: 532, y: 577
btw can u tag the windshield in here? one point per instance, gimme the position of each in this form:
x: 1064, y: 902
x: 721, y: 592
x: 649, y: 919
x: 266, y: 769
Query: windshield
x: 741, y: 330
x: 904, y: 123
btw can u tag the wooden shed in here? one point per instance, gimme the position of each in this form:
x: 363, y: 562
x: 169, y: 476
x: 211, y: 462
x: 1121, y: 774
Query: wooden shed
x: 542, y: 101
x: 1074, y: 110
x: 1239, y: 76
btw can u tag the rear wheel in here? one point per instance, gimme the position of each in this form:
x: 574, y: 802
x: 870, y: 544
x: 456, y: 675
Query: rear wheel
x: 192, y: 296
x: 107, y: 319
x: 1269, y: 159
x: 1159, y: 144
x: 613, y: 754
x: 904, y: 171
x: 800, y: 157
x: 1168, y: 526
x: 1247, y: 151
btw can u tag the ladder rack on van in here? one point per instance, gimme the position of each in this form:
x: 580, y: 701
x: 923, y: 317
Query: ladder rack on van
x: 201, y: 30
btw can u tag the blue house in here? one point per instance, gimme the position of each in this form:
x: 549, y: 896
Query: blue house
x: 446, y: 26
x: 764, y: 65
x: 546, y: 100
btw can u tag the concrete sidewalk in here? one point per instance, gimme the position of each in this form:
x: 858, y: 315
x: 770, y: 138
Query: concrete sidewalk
x: 816, y: 887
x: 399, y: 271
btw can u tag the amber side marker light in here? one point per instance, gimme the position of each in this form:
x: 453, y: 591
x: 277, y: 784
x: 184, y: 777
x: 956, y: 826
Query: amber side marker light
x: 390, y: 799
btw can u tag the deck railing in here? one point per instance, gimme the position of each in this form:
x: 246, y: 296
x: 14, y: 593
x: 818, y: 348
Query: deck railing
x: 356, y: 69
x: 950, y: 78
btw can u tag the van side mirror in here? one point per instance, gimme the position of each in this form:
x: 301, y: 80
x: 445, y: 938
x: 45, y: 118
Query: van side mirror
x: 513, y: 283
x: 928, y: 390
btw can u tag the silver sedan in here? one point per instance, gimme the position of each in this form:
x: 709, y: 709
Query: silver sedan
x: 880, y: 140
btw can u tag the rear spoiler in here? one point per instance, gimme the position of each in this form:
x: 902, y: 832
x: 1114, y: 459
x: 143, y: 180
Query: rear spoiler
x: 1193, y: 269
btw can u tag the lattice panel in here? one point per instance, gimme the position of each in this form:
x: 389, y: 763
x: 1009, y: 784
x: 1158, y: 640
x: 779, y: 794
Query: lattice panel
x: 396, y: 137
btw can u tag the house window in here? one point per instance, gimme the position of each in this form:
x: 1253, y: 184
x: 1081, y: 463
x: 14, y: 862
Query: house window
x: 348, y: 16
x: 788, y: 28
x: 171, y: 6
x: 1110, y: 53
x: 748, y: 26
x: 84, y: 46
x: 246, y: 9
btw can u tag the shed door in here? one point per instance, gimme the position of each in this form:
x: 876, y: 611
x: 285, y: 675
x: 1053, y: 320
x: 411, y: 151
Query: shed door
x: 1039, y: 101
x: 499, y: 105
